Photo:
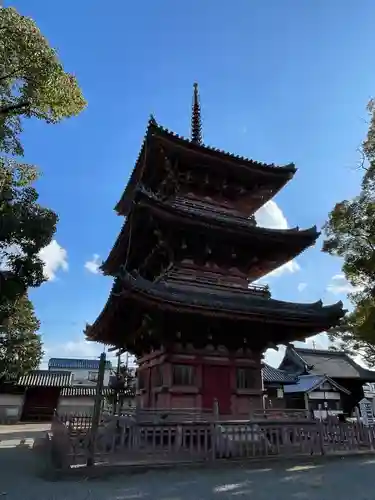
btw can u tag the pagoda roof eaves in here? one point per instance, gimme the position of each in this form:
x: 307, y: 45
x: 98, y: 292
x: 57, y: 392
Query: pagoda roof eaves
x: 156, y: 130
x: 300, y: 239
x: 248, y: 302
x: 176, y: 207
x: 245, y: 306
x: 261, y: 167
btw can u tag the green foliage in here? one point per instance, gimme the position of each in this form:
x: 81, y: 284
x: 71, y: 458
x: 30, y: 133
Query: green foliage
x: 350, y: 235
x: 125, y: 384
x: 20, y: 345
x: 128, y: 375
x: 33, y: 82
x: 26, y: 227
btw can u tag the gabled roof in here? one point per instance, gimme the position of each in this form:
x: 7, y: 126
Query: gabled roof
x: 274, y: 375
x: 334, y: 364
x: 45, y: 378
x: 76, y: 364
x: 308, y: 383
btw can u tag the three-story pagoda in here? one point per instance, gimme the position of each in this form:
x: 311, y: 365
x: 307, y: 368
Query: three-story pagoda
x: 183, y: 264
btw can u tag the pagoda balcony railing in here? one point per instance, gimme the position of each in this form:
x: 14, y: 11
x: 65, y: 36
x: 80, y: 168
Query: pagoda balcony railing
x: 192, y: 280
x: 263, y: 290
x: 221, y: 213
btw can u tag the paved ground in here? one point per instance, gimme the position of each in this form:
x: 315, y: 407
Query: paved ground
x: 344, y: 479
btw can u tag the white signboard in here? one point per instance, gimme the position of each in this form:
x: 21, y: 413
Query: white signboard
x: 367, y: 414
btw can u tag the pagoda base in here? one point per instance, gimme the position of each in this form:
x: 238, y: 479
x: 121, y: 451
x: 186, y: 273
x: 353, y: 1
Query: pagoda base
x: 210, y: 381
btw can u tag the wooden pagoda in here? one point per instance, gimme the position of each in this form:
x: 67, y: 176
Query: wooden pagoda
x: 183, y: 264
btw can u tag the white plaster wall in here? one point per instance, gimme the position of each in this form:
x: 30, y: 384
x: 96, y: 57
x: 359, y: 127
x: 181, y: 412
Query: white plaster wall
x: 324, y: 395
x: 81, y: 375
x: 10, y: 407
x: 69, y: 405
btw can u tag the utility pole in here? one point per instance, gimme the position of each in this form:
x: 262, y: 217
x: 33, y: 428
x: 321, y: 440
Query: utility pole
x: 97, y: 410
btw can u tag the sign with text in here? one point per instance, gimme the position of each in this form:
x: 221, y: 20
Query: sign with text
x: 367, y: 414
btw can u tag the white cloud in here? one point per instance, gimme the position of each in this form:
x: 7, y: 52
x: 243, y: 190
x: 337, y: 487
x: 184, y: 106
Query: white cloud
x: 55, y: 258
x: 72, y: 349
x: 289, y: 267
x: 340, y: 286
x: 93, y: 265
x: 6, y: 253
x: 301, y: 286
x: 320, y: 341
x: 271, y: 216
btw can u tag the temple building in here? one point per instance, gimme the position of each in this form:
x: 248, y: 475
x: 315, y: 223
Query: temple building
x: 336, y: 365
x: 183, y: 265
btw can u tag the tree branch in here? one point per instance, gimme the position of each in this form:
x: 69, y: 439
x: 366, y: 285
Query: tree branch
x: 361, y: 164
x: 9, y: 75
x: 5, y: 110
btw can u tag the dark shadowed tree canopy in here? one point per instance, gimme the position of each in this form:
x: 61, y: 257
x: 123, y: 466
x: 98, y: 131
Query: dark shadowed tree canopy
x: 20, y: 344
x: 350, y: 235
x: 26, y: 227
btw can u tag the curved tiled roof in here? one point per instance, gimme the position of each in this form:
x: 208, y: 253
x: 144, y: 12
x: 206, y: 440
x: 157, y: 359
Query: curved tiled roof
x: 77, y: 364
x: 45, y: 378
x: 283, y: 173
x: 230, y: 220
x: 307, y: 383
x: 274, y: 375
x: 232, y: 300
x: 153, y: 126
x: 292, y: 241
x: 249, y: 307
x: 334, y: 364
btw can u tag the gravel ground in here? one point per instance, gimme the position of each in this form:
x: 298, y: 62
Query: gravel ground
x: 345, y: 479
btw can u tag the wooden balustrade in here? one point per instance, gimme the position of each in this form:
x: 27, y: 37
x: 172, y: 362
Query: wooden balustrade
x: 124, y: 440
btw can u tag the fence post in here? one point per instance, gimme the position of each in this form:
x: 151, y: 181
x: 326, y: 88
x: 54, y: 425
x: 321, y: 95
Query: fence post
x: 96, y: 412
x: 370, y: 431
x: 320, y: 426
x: 216, y: 410
x: 214, y: 438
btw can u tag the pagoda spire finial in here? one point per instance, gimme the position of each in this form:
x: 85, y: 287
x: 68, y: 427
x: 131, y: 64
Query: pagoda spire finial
x: 196, y: 120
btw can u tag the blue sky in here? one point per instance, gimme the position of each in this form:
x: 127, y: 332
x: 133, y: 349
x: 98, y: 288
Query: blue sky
x: 279, y: 82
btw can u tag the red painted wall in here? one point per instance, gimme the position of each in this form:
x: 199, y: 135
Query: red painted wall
x: 215, y: 377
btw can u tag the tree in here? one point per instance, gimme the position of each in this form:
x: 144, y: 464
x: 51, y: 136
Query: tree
x: 128, y: 376
x: 20, y: 345
x: 123, y: 385
x: 33, y: 82
x: 26, y: 228
x: 350, y: 235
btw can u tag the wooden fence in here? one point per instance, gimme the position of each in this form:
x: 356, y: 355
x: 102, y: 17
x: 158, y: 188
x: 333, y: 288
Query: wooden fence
x: 83, y: 420
x: 122, y: 440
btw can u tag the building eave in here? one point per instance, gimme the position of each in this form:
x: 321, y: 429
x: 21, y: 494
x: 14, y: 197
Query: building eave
x: 167, y: 297
x: 291, y: 242
x: 280, y: 175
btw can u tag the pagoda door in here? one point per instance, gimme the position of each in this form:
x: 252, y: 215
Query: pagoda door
x: 216, y: 385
